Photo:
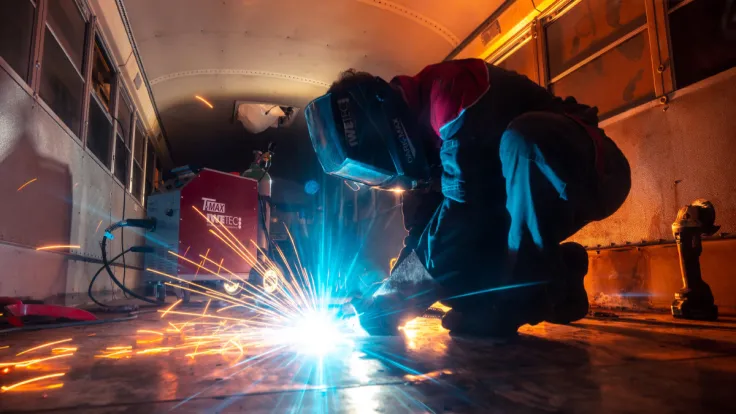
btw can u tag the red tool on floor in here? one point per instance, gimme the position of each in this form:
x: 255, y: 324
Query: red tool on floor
x: 17, y: 313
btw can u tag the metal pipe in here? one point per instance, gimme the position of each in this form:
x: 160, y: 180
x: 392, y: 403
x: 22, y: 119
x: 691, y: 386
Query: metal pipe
x: 654, y: 243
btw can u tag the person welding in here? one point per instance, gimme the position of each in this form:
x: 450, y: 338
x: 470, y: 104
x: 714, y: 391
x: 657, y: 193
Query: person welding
x: 498, y: 172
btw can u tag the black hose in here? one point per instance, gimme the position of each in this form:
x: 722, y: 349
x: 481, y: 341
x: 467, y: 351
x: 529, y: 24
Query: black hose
x: 106, y: 264
x: 92, y: 282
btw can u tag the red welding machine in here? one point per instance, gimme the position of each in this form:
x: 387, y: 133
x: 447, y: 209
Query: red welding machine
x: 187, y: 196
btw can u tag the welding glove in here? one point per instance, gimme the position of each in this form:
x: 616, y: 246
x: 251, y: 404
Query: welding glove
x: 406, y: 294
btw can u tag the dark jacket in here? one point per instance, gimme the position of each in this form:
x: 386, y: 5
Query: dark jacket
x: 470, y: 97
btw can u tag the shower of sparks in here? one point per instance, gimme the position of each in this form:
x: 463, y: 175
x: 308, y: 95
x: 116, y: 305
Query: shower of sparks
x: 54, y: 360
x: 26, y: 184
x: 286, y: 314
x: 256, y: 324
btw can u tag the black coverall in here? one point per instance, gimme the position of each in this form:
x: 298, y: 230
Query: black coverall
x: 520, y: 176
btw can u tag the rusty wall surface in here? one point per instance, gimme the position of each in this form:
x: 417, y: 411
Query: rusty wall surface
x: 648, y: 278
x: 71, y: 201
x: 693, y: 144
x: 676, y: 156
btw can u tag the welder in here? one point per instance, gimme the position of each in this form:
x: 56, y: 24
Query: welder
x: 498, y: 172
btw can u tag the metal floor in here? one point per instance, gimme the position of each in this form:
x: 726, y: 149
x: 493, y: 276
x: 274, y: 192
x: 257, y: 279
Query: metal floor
x: 635, y: 363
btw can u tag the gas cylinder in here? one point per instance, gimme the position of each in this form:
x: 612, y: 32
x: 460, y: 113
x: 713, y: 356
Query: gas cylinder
x: 258, y: 171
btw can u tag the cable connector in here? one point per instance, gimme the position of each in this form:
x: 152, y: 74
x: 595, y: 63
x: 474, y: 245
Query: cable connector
x: 146, y: 223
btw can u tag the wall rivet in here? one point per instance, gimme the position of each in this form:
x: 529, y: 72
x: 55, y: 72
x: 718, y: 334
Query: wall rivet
x: 660, y: 69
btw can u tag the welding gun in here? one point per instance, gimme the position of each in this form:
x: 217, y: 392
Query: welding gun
x: 403, y: 296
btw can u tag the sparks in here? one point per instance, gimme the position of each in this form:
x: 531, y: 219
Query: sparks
x: 171, y: 307
x: 43, y: 346
x: 63, y: 350
x: 115, y: 355
x: 26, y: 184
x: 150, y: 332
x: 36, y: 361
x: 206, y: 102
x: 28, y: 381
x: 59, y: 246
x: 155, y: 350
x: 285, y: 312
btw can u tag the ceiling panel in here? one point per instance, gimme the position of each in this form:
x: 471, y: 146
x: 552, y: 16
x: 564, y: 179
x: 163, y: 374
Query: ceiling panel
x: 284, y: 52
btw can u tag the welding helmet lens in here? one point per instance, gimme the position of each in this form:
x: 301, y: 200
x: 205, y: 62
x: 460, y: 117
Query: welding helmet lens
x: 364, y: 134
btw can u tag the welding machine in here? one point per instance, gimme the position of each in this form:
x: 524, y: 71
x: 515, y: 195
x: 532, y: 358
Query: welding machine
x: 187, y: 211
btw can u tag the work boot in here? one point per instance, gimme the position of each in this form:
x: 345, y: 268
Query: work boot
x: 574, y: 305
x: 483, y: 323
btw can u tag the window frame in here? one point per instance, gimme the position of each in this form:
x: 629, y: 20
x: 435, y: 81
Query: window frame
x: 40, y: 24
x: 564, y: 9
x: 96, y: 37
x: 122, y: 97
x: 84, y: 12
x: 525, y: 36
x: 152, y: 167
x: 27, y: 77
x: 660, y: 48
x: 658, y: 38
x: 111, y: 108
x: 112, y: 138
x: 665, y: 18
x: 138, y: 126
x: 31, y: 82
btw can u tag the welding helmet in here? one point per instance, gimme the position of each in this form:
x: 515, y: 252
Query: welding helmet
x: 366, y: 133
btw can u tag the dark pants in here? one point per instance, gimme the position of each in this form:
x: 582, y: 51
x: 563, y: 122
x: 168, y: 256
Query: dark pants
x: 509, y: 204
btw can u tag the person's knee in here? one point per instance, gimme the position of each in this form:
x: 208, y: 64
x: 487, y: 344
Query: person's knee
x: 522, y: 134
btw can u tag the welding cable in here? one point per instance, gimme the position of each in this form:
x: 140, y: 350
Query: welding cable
x: 92, y: 282
x: 148, y: 224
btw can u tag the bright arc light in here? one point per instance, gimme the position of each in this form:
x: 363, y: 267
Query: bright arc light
x: 314, y: 333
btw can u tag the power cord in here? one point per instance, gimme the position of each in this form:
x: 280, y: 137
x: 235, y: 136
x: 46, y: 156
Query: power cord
x: 92, y: 282
x: 147, y: 224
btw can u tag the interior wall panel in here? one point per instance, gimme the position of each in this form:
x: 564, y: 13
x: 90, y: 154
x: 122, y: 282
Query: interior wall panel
x: 68, y: 200
x: 676, y: 155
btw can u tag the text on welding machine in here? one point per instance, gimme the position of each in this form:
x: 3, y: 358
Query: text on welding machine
x: 216, y: 214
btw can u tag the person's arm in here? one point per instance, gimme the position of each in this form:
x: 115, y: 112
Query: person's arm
x: 417, y: 207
